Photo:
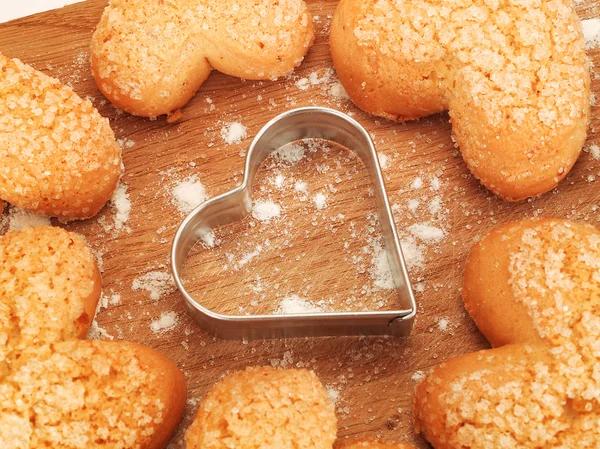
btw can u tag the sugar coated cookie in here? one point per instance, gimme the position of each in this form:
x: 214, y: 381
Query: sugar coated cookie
x: 533, y: 288
x: 59, y: 156
x: 149, y: 57
x: 513, y: 75
x: 60, y: 392
x: 265, y: 407
x: 49, y: 288
x: 91, y: 394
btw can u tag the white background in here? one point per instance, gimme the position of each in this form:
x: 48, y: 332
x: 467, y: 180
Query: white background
x: 13, y: 9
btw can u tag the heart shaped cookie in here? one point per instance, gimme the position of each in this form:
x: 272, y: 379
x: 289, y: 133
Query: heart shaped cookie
x: 513, y: 75
x: 265, y: 407
x: 149, y: 57
x: 59, y: 156
x: 61, y: 392
x: 533, y: 289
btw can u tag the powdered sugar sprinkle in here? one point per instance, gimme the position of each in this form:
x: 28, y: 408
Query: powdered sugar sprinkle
x: 166, y: 322
x: 233, y: 132
x: 265, y: 210
x: 189, y: 194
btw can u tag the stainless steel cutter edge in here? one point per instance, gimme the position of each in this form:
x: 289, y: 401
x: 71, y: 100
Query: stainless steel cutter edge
x: 297, y: 124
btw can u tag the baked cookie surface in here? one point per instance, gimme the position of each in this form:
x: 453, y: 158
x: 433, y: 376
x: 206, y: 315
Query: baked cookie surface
x: 91, y: 394
x: 513, y: 75
x: 149, y: 57
x: 265, y: 407
x: 60, y: 392
x: 49, y: 288
x: 533, y: 289
x: 59, y: 156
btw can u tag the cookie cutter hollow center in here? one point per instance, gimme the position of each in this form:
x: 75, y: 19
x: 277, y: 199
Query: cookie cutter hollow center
x: 298, y: 124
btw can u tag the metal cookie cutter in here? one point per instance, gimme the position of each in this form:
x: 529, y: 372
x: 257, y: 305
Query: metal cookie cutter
x: 294, y: 125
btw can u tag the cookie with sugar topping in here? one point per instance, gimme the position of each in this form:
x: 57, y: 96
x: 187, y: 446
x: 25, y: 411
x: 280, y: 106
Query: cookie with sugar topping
x: 533, y: 289
x: 371, y: 444
x: 265, y: 407
x: 59, y: 156
x: 513, y: 75
x: 91, y: 394
x: 57, y: 390
x: 149, y: 57
x: 49, y: 288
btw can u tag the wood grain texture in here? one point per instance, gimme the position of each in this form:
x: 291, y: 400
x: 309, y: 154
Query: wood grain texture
x: 316, y: 254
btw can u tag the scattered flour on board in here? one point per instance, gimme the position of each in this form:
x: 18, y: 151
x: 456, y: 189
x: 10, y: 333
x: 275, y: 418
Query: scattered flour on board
x: 121, y: 206
x: 209, y: 239
x: 595, y: 151
x: 301, y: 187
x: 286, y: 361
x: 193, y: 403
x: 320, y: 201
x: 321, y: 76
x: 316, y: 78
x: 19, y: 219
x: 417, y: 183
x: 166, y: 322
x: 412, y: 252
x: 337, y: 91
x: 233, y: 133
x: 107, y: 299
x: 384, y: 160
x: 333, y: 394
x: 188, y: 194
x: 435, y: 206
x: 155, y: 283
x: 443, y: 324
x: 98, y: 255
x: 303, y: 83
x: 419, y: 287
x: 265, y: 210
x: 114, y: 299
x: 96, y: 332
x: 591, y: 33
x: 291, y: 153
x: 294, y: 304
x: 126, y: 143
x: 249, y: 256
x: 279, y: 180
x: 380, y: 270
x: 413, y: 205
x: 418, y: 375
x: 426, y: 233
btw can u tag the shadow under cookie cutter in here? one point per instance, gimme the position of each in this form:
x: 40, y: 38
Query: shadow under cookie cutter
x: 291, y: 126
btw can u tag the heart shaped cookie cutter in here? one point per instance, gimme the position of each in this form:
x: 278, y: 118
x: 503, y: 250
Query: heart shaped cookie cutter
x: 291, y: 126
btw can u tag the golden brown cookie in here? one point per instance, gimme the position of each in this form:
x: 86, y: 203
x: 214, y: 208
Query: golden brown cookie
x: 91, y: 394
x: 59, y: 156
x: 60, y: 392
x: 513, y: 75
x: 265, y: 407
x: 370, y: 444
x: 49, y: 288
x: 149, y: 57
x: 533, y: 288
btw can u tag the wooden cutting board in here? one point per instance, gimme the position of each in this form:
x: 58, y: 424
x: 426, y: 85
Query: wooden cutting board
x: 323, y: 246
